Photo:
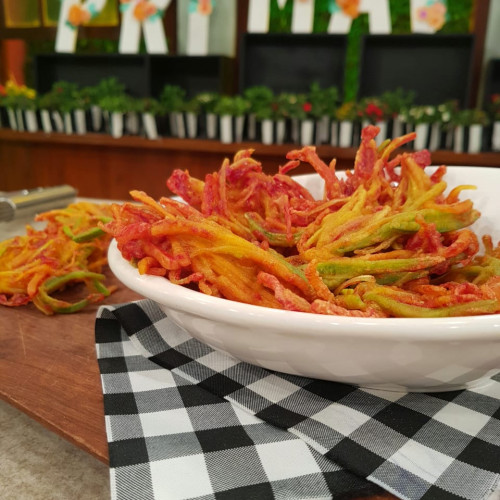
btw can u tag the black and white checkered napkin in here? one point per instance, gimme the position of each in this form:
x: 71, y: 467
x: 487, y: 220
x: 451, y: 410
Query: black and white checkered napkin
x: 186, y: 421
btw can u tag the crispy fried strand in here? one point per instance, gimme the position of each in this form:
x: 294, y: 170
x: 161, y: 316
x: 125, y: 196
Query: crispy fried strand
x: 384, y: 240
x: 70, y: 249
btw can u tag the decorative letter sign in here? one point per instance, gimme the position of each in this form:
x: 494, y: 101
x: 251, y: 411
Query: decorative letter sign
x: 146, y: 15
x: 302, y: 16
x: 427, y: 16
x: 258, y: 16
x: 72, y: 15
x: 198, y: 27
x: 344, y: 11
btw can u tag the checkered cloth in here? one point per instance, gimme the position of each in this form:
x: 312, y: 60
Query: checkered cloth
x: 186, y: 421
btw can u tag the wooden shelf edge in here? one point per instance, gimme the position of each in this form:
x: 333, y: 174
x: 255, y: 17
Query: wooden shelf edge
x: 487, y: 159
x: 169, y: 143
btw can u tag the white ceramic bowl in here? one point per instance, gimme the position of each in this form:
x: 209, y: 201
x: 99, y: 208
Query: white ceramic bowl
x: 385, y: 353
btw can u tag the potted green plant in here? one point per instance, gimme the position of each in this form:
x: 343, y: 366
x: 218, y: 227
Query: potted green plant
x: 495, y: 118
x: 474, y: 120
x: 10, y: 103
x: 397, y: 102
x: 272, y: 121
x: 298, y: 109
x: 259, y: 98
x: 29, y: 107
x: 231, y: 111
x: 265, y: 111
x: 150, y: 109
x: 6, y: 104
x: 192, y: 109
x: 440, y: 130
x: 281, y: 117
x: 266, y: 117
x: 20, y: 102
x: 373, y: 110
x: 116, y: 106
x: 172, y: 98
x: 208, y: 101
x: 346, y: 114
x: 11, y: 114
x: 420, y: 118
x: 66, y: 102
x: 302, y: 119
x: 47, y: 104
x: 323, y: 101
x: 89, y: 104
x: 106, y: 87
x: 3, y: 94
x: 132, y: 122
x: 83, y: 103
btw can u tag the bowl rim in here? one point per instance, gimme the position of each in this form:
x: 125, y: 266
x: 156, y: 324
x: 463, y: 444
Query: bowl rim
x: 179, y: 298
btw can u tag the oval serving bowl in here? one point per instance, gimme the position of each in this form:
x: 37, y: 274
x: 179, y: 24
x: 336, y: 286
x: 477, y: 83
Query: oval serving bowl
x: 401, y: 354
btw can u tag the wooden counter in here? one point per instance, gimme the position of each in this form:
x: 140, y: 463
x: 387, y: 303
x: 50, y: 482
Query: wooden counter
x: 100, y: 166
x: 48, y: 370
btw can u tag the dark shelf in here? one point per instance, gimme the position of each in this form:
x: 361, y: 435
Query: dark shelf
x: 437, y: 68
x: 143, y: 75
x: 195, y: 74
x: 130, y: 69
x: 291, y: 62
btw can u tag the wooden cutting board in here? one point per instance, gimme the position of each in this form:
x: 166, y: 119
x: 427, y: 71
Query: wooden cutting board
x: 48, y: 369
